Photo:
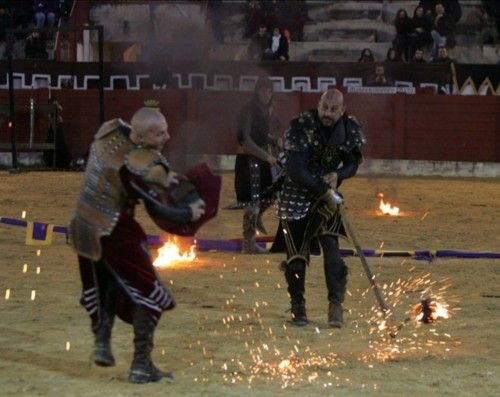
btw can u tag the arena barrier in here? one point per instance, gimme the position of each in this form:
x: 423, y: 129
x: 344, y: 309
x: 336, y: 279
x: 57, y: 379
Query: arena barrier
x: 41, y: 234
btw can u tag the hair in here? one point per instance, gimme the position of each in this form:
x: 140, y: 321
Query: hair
x: 416, y: 8
x: 369, y: 56
x: 401, y: 10
x: 397, y: 57
x: 143, y: 119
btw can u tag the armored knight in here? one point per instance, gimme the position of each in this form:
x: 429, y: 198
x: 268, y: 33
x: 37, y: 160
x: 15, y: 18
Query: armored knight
x: 125, y: 165
x: 254, y: 161
x: 322, y: 149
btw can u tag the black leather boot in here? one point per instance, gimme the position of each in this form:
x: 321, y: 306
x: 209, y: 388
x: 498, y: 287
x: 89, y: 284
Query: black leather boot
x: 299, y: 316
x: 102, y: 348
x: 295, y: 274
x: 336, y: 281
x: 335, y: 315
x: 142, y: 369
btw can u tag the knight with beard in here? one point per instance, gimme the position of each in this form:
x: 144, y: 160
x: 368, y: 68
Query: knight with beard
x: 322, y: 149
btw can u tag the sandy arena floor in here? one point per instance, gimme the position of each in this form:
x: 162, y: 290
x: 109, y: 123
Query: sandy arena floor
x: 229, y: 335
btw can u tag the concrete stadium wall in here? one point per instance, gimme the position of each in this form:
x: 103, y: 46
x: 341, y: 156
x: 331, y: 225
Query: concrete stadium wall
x: 201, y: 122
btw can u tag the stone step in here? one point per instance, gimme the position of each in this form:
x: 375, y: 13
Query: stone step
x: 332, y: 34
x: 333, y: 55
x: 342, y: 14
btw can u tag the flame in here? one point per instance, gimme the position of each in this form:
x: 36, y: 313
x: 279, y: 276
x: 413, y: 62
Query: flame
x: 386, y: 207
x: 170, y: 253
x: 429, y: 311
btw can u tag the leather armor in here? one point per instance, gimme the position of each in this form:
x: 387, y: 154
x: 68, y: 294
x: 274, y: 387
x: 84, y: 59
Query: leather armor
x: 304, y: 135
x: 103, y: 197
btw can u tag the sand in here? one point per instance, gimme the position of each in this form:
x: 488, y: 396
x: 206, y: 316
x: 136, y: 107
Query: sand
x: 229, y: 334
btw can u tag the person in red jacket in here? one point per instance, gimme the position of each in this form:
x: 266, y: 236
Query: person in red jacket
x: 125, y: 165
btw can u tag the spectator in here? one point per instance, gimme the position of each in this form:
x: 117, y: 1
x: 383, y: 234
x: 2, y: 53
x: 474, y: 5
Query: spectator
x: 442, y: 56
x: 258, y: 44
x: 254, y: 17
x: 442, y: 30
x: 379, y: 79
x: 489, y: 9
x: 393, y: 55
x: 418, y: 56
x: 404, y: 27
x: 421, y: 34
x: 277, y: 47
x: 452, y: 8
x: 45, y: 13
x: 366, y: 56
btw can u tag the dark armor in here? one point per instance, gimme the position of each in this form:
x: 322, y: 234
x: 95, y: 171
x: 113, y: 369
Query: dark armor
x: 325, y: 157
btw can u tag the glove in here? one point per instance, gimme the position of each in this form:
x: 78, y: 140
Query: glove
x: 332, y: 199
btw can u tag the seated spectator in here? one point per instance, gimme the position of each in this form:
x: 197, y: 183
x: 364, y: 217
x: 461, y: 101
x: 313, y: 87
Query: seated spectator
x: 442, y: 56
x: 35, y: 46
x: 366, y: 56
x: 258, y: 44
x: 404, y: 27
x: 393, y: 55
x: 379, y: 79
x: 487, y: 16
x: 277, y: 47
x: 254, y: 17
x: 45, y: 13
x: 421, y: 34
x: 442, y: 30
x: 451, y: 7
x: 418, y: 56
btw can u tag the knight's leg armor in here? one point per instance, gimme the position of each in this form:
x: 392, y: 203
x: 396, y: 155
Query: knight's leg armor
x: 336, y: 279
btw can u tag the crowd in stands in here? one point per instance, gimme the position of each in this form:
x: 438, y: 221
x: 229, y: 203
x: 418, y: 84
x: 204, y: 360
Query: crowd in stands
x: 433, y: 23
x: 271, y: 25
x: 38, y: 15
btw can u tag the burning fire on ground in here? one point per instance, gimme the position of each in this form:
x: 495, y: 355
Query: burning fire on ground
x: 170, y: 253
x: 429, y: 310
x: 386, y: 208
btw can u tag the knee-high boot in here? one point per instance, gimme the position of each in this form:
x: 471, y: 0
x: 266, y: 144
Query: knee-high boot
x: 336, y: 282
x: 295, y: 274
x: 142, y: 369
x: 102, y: 332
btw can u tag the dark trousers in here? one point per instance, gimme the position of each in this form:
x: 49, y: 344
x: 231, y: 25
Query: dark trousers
x: 295, y: 269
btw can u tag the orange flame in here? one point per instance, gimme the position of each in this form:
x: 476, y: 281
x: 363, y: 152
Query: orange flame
x: 170, y: 252
x: 386, y: 207
x: 429, y: 311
